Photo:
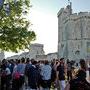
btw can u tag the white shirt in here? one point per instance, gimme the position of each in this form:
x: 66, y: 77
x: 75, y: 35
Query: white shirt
x: 46, y: 72
x: 8, y: 71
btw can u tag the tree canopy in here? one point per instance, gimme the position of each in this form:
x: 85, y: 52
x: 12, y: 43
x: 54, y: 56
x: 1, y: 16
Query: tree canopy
x: 14, y: 26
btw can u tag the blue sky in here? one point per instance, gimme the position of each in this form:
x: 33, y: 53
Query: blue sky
x: 52, y: 6
x: 43, y: 16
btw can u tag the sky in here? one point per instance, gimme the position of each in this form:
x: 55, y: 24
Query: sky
x: 43, y: 16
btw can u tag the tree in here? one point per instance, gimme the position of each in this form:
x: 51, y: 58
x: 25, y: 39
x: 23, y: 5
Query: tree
x: 14, y: 33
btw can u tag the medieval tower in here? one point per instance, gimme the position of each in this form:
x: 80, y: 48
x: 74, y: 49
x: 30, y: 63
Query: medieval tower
x: 73, y: 34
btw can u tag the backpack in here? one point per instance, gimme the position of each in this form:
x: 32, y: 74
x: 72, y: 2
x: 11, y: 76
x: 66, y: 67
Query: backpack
x: 16, y: 75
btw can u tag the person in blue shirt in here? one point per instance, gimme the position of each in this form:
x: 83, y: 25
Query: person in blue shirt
x: 46, y: 75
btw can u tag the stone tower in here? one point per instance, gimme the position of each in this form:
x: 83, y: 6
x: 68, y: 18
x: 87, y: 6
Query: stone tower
x: 73, y: 34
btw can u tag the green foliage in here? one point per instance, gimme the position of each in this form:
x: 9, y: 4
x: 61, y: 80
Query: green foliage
x: 14, y: 33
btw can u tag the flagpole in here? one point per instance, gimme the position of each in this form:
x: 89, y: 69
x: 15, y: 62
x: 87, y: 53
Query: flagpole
x: 70, y: 4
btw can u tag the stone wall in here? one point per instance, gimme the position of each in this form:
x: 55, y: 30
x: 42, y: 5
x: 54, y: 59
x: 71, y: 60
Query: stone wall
x: 73, y: 34
x: 36, y: 52
x: 35, y: 49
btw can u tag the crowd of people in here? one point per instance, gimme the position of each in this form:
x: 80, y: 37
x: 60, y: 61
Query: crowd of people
x: 58, y: 74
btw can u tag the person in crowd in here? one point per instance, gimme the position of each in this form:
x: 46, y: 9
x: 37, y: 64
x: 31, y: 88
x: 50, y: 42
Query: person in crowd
x: 88, y: 65
x: 5, y: 76
x: 61, y: 71
x: 83, y: 65
x: 41, y: 64
x: 26, y: 72
x: 53, y: 74
x: 15, y: 77
x: 55, y: 64
x: 38, y: 67
x: 79, y: 82
x: 69, y: 70
x: 89, y: 68
x: 18, y: 75
x: 11, y: 65
x: 46, y: 76
x: 21, y: 70
x: 33, y: 76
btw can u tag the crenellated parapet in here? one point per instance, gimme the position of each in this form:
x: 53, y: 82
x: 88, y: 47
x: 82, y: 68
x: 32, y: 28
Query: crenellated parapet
x: 76, y: 16
x: 64, y: 13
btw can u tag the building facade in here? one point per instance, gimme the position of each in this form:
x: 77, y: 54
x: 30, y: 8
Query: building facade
x: 35, y: 49
x: 51, y: 56
x: 73, y: 34
x: 36, y: 52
